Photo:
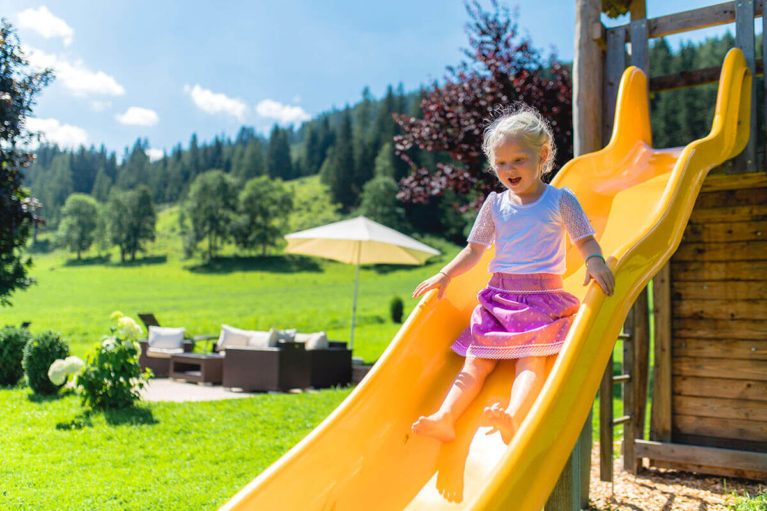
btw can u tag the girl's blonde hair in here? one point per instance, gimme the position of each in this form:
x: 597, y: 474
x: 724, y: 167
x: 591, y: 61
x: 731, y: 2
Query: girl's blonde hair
x: 524, y: 121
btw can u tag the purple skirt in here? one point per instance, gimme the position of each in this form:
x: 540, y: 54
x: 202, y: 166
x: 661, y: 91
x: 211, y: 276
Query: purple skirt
x: 519, y: 315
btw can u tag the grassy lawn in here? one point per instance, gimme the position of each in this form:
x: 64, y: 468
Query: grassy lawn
x: 158, y: 456
x: 278, y: 291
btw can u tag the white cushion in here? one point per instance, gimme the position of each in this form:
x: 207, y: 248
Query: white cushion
x: 263, y: 339
x: 315, y: 341
x: 165, y: 337
x: 287, y: 335
x: 236, y: 337
x: 163, y: 352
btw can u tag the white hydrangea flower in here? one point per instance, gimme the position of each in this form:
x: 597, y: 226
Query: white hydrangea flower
x: 109, y: 343
x: 116, y: 315
x: 128, y: 328
x: 74, y: 364
x: 57, y: 373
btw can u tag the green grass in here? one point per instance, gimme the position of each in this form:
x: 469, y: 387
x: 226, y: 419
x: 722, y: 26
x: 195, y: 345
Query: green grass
x: 751, y: 503
x: 158, y: 456
x: 280, y: 291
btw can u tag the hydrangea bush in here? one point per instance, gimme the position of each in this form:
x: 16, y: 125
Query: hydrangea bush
x: 112, y: 377
x: 39, y: 353
x: 62, y: 369
x: 12, y: 342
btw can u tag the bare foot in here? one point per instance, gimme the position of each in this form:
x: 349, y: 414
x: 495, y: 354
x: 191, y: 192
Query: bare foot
x: 497, y: 417
x: 435, y: 426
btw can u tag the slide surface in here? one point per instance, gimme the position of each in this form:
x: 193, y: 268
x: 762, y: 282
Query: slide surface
x: 363, y: 456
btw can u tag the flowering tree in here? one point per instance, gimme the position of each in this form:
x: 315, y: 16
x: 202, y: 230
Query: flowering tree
x: 502, y: 69
x: 18, y: 89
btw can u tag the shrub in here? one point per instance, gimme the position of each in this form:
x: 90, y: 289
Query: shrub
x: 112, y: 377
x: 39, y: 353
x: 12, y: 342
x: 395, y: 309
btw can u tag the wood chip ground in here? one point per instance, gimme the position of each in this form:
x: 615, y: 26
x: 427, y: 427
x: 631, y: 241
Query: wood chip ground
x: 665, y: 490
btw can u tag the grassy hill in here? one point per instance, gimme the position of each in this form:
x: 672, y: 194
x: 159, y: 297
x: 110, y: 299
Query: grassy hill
x: 245, y: 291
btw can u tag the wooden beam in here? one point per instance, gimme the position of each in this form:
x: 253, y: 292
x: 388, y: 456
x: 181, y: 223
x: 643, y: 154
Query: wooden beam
x: 726, y: 232
x: 660, y: 419
x: 704, y: 289
x: 704, y: 17
x: 714, y: 367
x: 720, y: 387
x: 615, y: 64
x: 745, y: 40
x: 606, y: 431
x: 721, y: 428
x: 640, y: 51
x: 735, y: 251
x: 721, y: 408
x: 741, y: 270
x: 721, y: 309
x: 629, y: 396
x: 639, y: 372
x: 755, y: 349
x: 744, y: 460
x: 729, y: 198
x: 588, y: 66
x: 685, y: 79
x: 724, y: 182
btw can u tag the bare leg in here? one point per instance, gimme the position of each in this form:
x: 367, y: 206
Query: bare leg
x: 527, y: 384
x: 468, y: 383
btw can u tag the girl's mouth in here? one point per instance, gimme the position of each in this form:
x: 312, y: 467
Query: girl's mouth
x: 515, y: 180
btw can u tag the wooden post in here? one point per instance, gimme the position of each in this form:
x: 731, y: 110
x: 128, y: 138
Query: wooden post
x: 641, y: 346
x: 615, y: 64
x: 640, y: 50
x: 764, y: 92
x: 569, y: 494
x: 628, y: 394
x: 588, y: 67
x: 745, y: 40
x: 606, y: 424
x: 660, y: 420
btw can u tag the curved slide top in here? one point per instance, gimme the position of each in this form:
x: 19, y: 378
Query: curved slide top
x: 363, y: 456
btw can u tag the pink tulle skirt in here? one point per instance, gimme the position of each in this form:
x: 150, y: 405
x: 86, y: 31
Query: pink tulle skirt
x: 519, y: 316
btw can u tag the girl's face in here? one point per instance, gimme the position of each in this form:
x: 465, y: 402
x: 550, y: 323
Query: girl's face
x: 518, y: 166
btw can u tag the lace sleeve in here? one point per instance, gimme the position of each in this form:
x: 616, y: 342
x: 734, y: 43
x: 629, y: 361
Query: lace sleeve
x: 483, y: 231
x: 576, y: 222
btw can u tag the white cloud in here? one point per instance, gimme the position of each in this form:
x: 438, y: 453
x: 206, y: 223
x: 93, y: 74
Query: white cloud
x: 154, y: 154
x: 46, y: 24
x: 216, y: 102
x: 54, y: 132
x: 74, y: 76
x: 137, y: 116
x: 286, y: 114
x: 100, y: 106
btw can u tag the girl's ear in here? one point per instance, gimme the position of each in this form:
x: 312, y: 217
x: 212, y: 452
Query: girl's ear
x: 542, y: 157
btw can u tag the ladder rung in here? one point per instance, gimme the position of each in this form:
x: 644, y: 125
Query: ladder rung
x: 622, y: 378
x: 625, y: 337
x: 621, y: 420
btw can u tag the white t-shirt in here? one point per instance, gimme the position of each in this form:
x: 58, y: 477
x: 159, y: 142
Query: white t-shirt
x: 530, y: 238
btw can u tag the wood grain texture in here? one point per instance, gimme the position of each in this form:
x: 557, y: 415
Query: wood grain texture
x: 725, y: 388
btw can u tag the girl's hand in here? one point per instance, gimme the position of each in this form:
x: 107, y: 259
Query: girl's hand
x: 440, y: 281
x: 597, y: 269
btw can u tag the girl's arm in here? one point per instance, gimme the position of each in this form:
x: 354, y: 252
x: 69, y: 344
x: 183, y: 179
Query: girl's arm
x: 461, y: 263
x: 596, y: 267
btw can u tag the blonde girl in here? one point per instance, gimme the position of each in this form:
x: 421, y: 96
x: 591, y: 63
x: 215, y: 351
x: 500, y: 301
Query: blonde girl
x: 524, y: 312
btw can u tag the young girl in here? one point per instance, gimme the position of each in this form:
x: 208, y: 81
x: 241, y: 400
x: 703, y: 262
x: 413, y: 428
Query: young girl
x: 523, y: 313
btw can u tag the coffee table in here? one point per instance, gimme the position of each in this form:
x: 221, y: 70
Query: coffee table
x: 197, y: 367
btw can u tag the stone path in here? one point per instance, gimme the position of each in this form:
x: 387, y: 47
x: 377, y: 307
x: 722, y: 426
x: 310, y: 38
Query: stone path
x: 165, y: 389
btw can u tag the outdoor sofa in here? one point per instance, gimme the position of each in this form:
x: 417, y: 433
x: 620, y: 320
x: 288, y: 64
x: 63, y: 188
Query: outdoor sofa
x: 282, y: 360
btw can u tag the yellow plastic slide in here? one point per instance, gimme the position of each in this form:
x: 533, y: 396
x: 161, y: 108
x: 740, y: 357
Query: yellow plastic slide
x: 363, y: 456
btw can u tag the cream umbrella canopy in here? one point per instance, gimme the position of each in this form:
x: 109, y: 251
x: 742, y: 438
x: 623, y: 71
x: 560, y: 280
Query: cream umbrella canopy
x: 359, y: 241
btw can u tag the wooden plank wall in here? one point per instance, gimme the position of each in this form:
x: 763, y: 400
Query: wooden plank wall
x: 719, y: 318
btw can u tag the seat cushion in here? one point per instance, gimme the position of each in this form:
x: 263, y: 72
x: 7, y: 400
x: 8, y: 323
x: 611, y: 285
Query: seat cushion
x: 165, y: 337
x: 313, y: 341
x: 287, y: 335
x: 236, y: 337
x: 163, y: 352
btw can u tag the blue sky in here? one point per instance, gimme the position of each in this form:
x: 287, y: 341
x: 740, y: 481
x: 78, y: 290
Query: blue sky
x: 163, y: 70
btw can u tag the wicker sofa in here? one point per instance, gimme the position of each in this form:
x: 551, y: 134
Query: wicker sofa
x: 287, y: 366
x: 159, y: 361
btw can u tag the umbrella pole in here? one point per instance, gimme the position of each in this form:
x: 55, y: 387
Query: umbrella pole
x: 356, y: 285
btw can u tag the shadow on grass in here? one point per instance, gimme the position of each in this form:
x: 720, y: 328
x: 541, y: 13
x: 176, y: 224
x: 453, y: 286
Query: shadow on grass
x: 47, y: 398
x: 284, y: 263
x: 133, y: 416
x: 144, y: 261
x: 81, y: 420
x: 88, y: 261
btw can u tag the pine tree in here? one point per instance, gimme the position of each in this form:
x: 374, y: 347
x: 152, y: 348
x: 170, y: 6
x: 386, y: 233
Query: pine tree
x: 278, y: 162
x: 340, y: 178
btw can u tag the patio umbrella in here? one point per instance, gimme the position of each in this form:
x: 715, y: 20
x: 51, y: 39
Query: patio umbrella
x: 359, y: 241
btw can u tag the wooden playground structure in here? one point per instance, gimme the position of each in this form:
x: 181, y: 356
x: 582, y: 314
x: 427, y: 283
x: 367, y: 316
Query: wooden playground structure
x: 708, y: 305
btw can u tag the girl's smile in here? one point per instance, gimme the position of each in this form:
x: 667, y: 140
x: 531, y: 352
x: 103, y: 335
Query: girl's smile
x: 518, y: 167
